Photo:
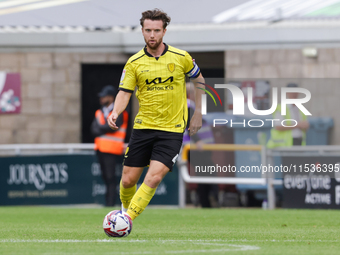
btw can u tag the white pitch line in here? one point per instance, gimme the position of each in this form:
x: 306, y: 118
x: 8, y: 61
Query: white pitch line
x: 221, y: 245
x: 246, y: 240
x: 236, y: 248
x: 293, y: 241
x: 161, y: 241
x: 69, y: 241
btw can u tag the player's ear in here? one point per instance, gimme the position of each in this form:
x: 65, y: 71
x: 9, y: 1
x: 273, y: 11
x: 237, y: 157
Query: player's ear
x: 164, y: 31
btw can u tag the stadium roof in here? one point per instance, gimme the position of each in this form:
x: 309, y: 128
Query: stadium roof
x: 109, y: 13
x: 214, y: 25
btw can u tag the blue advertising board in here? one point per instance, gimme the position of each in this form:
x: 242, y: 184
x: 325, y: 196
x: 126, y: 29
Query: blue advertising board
x: 66, y: 179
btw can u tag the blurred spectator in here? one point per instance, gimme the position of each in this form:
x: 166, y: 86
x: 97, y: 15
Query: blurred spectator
x: 205, y: 135
x: 288, y: 136
x: 108, y: 143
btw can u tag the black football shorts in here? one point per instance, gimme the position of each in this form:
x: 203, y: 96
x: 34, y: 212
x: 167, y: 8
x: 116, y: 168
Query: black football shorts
x: 150, y: 144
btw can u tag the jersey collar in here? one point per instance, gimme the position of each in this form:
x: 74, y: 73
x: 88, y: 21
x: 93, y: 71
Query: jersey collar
x: 149, y: 55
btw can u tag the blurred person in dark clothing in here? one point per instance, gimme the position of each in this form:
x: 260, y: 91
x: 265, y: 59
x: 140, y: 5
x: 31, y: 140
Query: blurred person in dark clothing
x: 200, y: 157
x: 108, y: 143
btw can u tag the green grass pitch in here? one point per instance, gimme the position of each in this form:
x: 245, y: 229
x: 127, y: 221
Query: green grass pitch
x: 63, y: 230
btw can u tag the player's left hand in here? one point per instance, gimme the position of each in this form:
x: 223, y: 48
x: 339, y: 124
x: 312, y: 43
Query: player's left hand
x: 195, y: 123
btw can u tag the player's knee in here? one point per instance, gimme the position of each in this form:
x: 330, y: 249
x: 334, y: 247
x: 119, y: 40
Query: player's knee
x: 154, y: 181
x: 127, y: 182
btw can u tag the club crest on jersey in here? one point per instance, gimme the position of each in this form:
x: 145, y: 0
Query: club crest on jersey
x: 171, y: 67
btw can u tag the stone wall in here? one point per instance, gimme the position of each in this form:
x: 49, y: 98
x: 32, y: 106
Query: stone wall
x: 319, y: 75
x: 50, y: 91
x: 51, y: 87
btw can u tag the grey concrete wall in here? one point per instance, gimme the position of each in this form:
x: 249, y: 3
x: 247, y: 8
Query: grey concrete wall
x: 51, y: 89
x: 321, y: 76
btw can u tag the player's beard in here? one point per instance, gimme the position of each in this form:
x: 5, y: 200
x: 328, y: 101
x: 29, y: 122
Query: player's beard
x: 155, y: 46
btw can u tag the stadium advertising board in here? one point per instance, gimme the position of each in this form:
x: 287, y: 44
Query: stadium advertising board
x: 64, y: 179
x: 313, y: 182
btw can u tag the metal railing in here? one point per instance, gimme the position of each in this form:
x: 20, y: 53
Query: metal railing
x: 269, y: 181
x: 266, y: 157
x: 43, y: 149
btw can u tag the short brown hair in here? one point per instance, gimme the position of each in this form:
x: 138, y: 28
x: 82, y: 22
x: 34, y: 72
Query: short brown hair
x: 155, y: 14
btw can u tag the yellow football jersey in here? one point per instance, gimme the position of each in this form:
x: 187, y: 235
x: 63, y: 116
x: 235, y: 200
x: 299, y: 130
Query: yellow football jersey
x: 161, y: 90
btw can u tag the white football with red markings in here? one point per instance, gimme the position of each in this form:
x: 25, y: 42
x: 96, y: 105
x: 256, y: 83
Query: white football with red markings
x: 117, y: 224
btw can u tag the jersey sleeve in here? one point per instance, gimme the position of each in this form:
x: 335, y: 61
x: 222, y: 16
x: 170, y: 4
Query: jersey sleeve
x: 128, y: 79
x: 190, y: 67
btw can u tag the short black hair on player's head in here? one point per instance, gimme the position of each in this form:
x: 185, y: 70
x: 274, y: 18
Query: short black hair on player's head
x: 155, y: 14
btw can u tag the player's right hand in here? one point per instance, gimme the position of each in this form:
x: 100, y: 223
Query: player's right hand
x: 111, y: 120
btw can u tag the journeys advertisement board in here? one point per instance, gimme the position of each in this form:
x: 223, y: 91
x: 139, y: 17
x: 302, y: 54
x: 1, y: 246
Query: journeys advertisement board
x: 66, y: 179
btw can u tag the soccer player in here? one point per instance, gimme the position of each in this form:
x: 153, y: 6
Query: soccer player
x: 158, y: 71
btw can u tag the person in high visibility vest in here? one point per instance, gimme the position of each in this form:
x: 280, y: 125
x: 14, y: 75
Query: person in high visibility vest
x: 108, y: 143
x: 289, y: 136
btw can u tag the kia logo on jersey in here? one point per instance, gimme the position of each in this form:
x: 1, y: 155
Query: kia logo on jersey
x: 158, y: 80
